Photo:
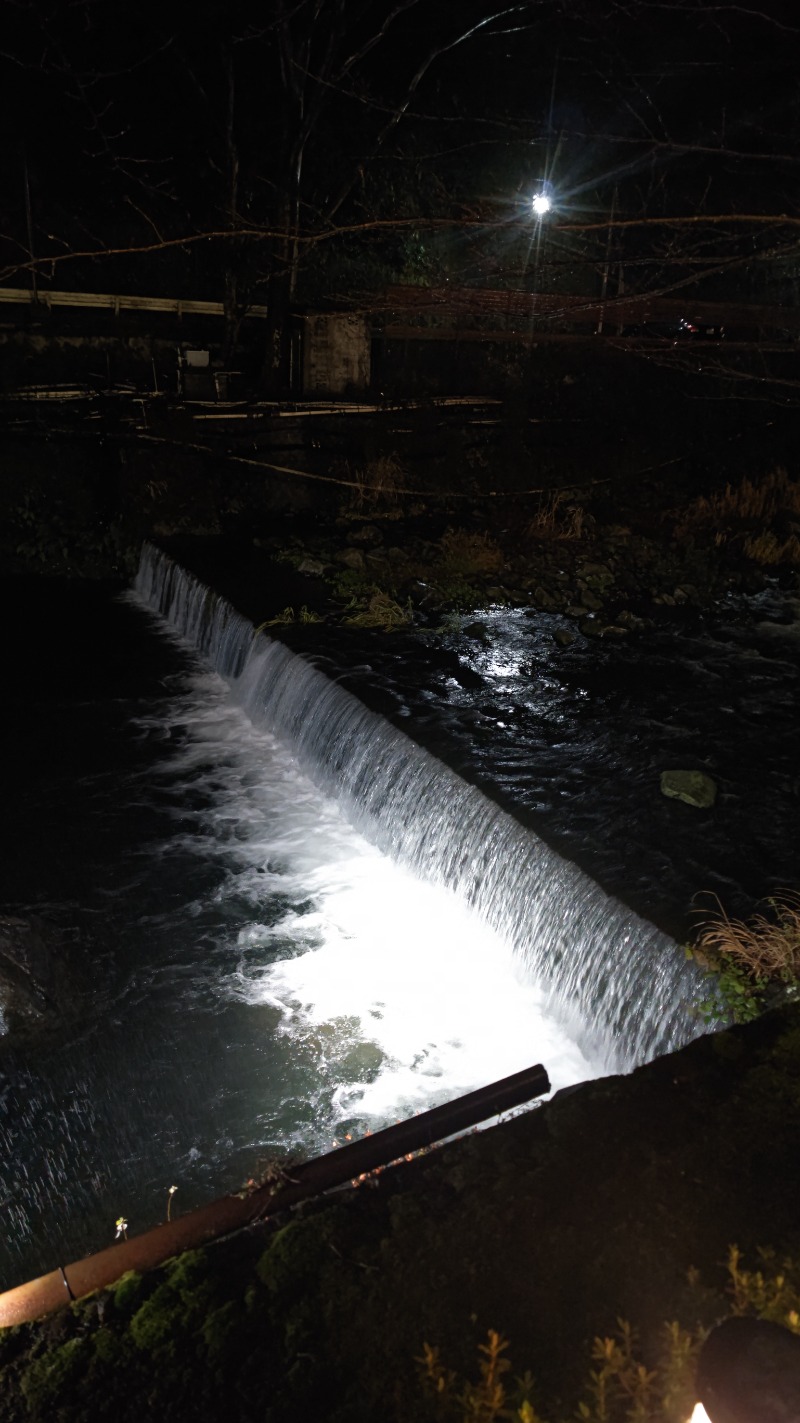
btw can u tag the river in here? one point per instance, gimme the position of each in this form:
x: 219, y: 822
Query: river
x: 253, y: 976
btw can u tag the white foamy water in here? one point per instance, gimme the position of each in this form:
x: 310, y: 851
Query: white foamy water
x: 621, y: 984
x: 367, y: 968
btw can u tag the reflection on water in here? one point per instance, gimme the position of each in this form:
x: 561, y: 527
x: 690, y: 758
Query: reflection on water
x: 573, y: 739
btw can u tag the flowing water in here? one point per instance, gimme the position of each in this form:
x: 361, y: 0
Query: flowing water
x: 287, y: 921
x: 252, y: 976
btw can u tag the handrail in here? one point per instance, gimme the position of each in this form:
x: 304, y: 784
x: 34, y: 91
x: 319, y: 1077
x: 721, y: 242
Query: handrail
x: 298, y: 1183
x: 108, y: 301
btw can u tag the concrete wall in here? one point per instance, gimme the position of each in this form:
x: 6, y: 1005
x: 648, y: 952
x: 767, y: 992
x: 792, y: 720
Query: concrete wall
x: 336, y: 355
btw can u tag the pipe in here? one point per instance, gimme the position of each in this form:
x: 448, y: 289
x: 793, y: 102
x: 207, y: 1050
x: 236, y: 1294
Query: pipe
x: 230, y: 1213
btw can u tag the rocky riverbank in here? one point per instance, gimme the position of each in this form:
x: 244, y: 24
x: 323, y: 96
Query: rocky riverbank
x: 403, y: 514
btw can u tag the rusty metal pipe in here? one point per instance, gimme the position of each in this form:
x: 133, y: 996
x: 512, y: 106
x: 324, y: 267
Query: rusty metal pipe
x: 304, y: 1181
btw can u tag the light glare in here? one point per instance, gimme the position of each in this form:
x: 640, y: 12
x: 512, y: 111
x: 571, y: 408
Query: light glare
x: 541, y: 204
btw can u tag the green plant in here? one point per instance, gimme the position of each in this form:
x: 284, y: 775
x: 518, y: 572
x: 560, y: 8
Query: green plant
x: 773, y: 1292
x: 744, y: 957
x: 291, y: 556
x: 353, y: 584
x: 733, y: 993
x: 622, y: 1386
x: 288, y: 615
x: 458, y: 593
x: 482, y: 1401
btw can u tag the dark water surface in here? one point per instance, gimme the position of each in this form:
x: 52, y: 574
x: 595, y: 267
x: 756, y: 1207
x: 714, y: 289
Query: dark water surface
x: 573, y: 740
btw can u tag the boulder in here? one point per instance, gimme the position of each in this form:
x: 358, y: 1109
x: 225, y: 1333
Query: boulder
x: 597, y: 576
x: 366, y: 534
x: 545, y: 600
x: 693, y: 787
x: 352, y: 558
x: 479, y: 631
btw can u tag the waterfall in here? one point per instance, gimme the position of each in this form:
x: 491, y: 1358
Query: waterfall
x: 624, y: 988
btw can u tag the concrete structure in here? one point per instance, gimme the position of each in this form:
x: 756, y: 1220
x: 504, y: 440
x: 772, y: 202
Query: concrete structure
x: 335, y: 357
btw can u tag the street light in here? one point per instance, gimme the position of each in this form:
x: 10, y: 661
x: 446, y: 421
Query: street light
x: 541, y: 204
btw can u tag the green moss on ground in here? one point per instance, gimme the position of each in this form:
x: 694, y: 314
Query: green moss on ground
x: 547, y: 1228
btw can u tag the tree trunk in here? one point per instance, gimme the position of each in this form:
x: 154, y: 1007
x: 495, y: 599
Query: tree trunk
x: 276, y: 370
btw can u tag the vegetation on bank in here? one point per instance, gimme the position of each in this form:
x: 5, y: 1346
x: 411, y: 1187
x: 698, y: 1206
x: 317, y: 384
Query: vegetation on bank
x: 753, y: 963
x: 758, y: 519
x: 623, y: 1383
x: 564, y: 552
x: 160, y: 1336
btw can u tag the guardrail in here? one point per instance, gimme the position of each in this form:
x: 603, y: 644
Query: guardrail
x: 105, y: 301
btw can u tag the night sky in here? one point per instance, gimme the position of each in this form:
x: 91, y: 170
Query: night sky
x: 131, y: 126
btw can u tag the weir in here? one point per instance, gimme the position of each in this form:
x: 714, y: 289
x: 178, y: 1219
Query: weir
x: 624, y: 988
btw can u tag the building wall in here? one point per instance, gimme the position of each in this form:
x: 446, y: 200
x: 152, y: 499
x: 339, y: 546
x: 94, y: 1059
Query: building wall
x: 336, y: 355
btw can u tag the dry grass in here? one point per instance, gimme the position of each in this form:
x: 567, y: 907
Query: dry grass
x: 766, y: 947
x: 382, y: 611
x: 379, y: 482
x: 748, y: 502
x: 766, y: 549
x: 556, y: 520
x: 463, y: 553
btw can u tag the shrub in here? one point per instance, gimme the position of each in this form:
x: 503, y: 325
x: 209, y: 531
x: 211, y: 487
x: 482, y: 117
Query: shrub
x: 622, y: 1385
x: 381, y: 612
x: 765, y: 947
x: 378, y: 482
x: 744, y: 958
x: 288, y: 615
x: 463, y: 554
x: 766, y: 549
x: 747, y: 503
x: 555, y: 520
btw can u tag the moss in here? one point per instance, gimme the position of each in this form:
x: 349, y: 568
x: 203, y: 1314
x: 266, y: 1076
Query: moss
x: 14, y: 1341
x: 219, y: 1327
x: 175, y: 1308
x: 298, y: 1251
x: 129, y: 1292
x: 51, y: 1374
x: 106, y: 1347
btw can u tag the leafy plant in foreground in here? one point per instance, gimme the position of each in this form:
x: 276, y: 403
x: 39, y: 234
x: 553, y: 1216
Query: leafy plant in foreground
x: 622, y: 1385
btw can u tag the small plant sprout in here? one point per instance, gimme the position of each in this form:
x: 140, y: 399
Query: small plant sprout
x: 170, y: 1193
x: 122, y: 1228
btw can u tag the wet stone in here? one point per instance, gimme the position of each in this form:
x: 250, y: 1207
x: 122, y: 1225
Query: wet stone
x: 693, y: 787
